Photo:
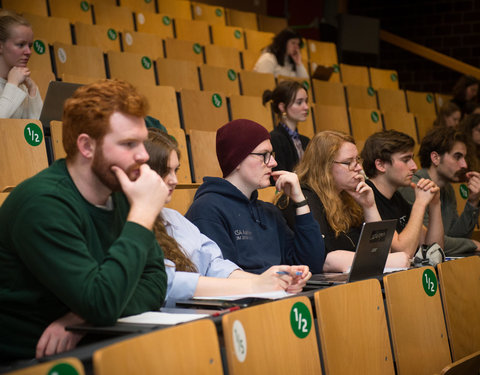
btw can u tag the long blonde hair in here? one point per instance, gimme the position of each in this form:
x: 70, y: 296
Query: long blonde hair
x: 315, y: 170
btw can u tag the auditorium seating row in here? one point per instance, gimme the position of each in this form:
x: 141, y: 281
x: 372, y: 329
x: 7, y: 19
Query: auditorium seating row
x: 427, y: 325
x: 75, y: 11
x: 193, y: 117
x: 229, y: 49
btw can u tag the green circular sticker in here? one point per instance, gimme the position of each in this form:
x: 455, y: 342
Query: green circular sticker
x: 217, y: 100
x: 146, y: 62
x: 300, y: 320
x: 166, y: 20
x: 463, y: 191
x: 39, y: 47
x: 218, y: 12
x: 306, y: 85
x: 148, y: 1
x: 112, y: 34
x: 370, y: 91
x: 237, y: 34
x: 374, y: 116
x: 84, y: 6
x: 429, y: 98
x: 393, y: 77
x: 197, y: 48
x: 429, y: 281
x: 336, y: 68
x: 33, y: 134
x: 63, y: 369
x: 232, y: 76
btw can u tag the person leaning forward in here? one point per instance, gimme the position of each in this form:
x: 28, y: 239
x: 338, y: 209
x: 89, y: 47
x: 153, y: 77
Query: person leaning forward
x: 76, y: 242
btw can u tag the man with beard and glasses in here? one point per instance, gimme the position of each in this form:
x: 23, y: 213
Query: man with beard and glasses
x: 388, y: 163
x: 442, y: 157
x: 76, y: 242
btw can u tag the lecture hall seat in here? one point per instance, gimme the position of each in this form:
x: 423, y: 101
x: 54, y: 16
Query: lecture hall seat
x: 273, y: 338
x: 187, y: 348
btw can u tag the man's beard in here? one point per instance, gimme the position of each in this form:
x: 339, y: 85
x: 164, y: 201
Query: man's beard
x: 103, y: 170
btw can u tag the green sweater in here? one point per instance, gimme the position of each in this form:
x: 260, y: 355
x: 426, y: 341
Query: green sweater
x: 59, y: 253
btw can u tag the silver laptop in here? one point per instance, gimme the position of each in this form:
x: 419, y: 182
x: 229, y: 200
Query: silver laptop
x: 56, y: 95
x: 370, y: 257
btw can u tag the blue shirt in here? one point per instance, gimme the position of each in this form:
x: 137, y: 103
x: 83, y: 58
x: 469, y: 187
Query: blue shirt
x: 201, y: 250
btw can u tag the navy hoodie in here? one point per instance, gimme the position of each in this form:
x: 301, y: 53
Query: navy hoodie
x: 253, y: 233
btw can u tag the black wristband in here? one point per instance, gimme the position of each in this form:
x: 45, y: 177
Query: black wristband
x: 300, y: 204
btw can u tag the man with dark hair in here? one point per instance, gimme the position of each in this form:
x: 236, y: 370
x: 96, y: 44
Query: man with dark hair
x: 76, y: 242
x: 442, y: 157
x: 388, y: 162
x: 250, y: 232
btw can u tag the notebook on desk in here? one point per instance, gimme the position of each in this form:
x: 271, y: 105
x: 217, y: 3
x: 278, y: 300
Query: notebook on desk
x: 370, y: 255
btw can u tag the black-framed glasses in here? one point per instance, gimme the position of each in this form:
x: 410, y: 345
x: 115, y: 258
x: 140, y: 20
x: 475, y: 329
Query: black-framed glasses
x: 266, y: 155
x: 352, y: 164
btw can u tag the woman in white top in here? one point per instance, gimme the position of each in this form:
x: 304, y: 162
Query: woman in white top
x: 194, y: 263
x: 19, y: 96
x: 283, y: 56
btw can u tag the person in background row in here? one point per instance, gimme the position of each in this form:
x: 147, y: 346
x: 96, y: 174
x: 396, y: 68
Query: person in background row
x: 194, y: 263
x: 470, y: 127
x: 340, y: 200
x: 250, y: 232
x: 388, y: 163
x: 442, y: 156
x: 290, y: 104
x: 465, y: 94
x: 19, y: 97
x: 283, y: 56
x: 448, y: 115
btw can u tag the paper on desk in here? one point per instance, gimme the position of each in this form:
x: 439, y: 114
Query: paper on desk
x: 268, y: 295
x: 157, y: 317
x: 394, y: 269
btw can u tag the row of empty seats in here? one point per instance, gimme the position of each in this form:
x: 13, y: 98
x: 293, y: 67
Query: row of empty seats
x: 75, y: 11
x: 412, y: 334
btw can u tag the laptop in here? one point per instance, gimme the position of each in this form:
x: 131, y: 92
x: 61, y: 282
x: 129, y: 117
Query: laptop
x: 57, y: 93
x: 370, y: 257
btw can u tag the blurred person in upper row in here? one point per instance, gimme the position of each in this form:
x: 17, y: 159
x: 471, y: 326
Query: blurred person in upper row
x: 283, y: 56
x: 19, y: 97
x: 470, y: 127
x: 290, y: 104
x: 448, y: 115
x: 465, y: 94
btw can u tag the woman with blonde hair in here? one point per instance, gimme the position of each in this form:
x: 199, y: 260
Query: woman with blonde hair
x: 193, y: 262
x: 19, y: 96
x: 334, y: 184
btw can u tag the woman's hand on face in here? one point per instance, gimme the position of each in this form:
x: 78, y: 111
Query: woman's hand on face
x: 363, y: 194
x: 18, y: 75
x: 296, y: 56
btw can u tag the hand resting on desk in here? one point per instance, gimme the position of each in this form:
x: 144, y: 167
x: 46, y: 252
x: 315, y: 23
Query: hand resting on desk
x: 56, y: 339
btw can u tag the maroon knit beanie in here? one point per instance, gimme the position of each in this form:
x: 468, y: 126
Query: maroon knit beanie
x: 237, y: 139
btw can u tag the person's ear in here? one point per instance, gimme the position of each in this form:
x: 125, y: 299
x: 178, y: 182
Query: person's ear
x: 86, y: 146
x: 380, y: 165
x: 435, y: 158
x: 281, y: 107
